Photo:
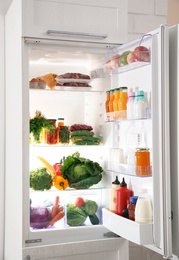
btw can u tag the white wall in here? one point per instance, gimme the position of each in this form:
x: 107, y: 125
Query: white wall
x: 1, y: 134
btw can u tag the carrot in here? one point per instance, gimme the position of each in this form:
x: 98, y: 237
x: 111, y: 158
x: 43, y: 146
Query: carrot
x: 58, y: 216
x: 55, y: 207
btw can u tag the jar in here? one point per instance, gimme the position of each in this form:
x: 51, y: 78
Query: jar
x: 140, y: 105
x: 64, y: 135
x: 60, y: 122
x: 142, y: 161
x: 131, y: 207
x: 51, y: 137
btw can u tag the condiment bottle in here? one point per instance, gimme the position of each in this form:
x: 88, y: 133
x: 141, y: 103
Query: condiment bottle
x: 123, y: 194
x: 143, y: 209
x: 111, y: 108
x: 122, y: 103
x: 107, y: 101
x: 112, y: 195
x: 131, y: 207
x: 140, y: 105
x: 130, y: 105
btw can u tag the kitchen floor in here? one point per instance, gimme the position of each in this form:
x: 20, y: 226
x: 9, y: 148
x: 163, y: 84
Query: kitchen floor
x: 141, y: 253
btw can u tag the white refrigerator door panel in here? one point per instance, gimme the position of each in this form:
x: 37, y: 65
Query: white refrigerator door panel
x: 174, y: 133
x: 161, y: 228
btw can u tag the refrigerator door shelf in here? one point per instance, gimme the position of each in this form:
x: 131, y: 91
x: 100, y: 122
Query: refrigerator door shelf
x: 140, y: 234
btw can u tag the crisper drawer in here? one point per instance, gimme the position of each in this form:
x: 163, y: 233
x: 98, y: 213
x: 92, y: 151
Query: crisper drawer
x: 140, y: 234
x: 83, y: 20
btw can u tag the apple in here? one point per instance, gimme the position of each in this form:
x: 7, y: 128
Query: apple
x: 123, y: 58
x: 115, y: 61
x: 79, y: 202
x: 142, y: 53
x: 108, y: 65
x: 131, y: 58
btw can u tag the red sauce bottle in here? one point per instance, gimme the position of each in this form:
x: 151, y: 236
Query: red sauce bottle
x: 123, y: 194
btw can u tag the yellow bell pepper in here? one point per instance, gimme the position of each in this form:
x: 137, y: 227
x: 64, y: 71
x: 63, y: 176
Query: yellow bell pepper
x: 60, y: 183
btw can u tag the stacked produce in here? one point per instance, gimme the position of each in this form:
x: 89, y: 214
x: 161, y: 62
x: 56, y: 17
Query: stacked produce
x: 75, y: 171
x: 82, y: 134
x: 43, y: 216
x: 78, y: 212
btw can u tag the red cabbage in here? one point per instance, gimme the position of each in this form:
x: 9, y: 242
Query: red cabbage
x: 39, y: 217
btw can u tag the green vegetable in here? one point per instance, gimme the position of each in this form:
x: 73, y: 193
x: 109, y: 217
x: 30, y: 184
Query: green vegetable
x: 38, y: 123
x: 94, y: 219
x: 90, y: 207
x: 82, y: 133
x: 81, y: 172
x: 40, y: 179
x: 75, y: 215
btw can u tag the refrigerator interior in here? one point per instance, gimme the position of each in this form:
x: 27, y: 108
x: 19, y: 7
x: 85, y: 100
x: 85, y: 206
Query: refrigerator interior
x: 87, y: 106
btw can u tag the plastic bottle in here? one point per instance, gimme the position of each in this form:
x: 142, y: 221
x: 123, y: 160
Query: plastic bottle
x: 130, y: 105
x: 123, y: 194
x: 131, y: 207
x: 107, y: 101
x: 140, y: 105
x: 122, y: 103
x: 112, y: 195
x: 143, y: 209
x: 111, y: 108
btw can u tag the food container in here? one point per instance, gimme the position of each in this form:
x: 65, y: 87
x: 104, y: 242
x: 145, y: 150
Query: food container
x: 37, y: 85
x: 142, y: 159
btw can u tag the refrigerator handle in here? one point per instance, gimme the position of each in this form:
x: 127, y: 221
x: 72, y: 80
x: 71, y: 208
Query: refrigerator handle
x: 77, y: 34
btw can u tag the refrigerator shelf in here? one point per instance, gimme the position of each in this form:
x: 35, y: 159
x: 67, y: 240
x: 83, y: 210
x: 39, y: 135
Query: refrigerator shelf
x: 35, y: 145
x: 118, y: 116
x: 140, y: 234
x: 132, y: 170
x: 65, y: 89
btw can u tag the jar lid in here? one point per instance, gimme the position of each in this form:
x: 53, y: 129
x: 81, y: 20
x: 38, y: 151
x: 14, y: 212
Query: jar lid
x: 61, y: 118
x: 133, y: 199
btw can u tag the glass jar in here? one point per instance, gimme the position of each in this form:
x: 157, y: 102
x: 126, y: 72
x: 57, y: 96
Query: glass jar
x: 64, y: 135
x: 51, y: 137
x: 142, y: 159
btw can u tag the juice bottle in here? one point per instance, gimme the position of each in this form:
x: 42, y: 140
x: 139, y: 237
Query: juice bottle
x: 111, y: 108
x: 122, y: 103
x: 107, y: 101
x: 116, y: 99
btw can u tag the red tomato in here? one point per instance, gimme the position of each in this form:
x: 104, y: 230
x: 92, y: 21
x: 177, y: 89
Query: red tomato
x: 79, y: 202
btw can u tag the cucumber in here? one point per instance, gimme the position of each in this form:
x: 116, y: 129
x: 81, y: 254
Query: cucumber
x: 94, y: 219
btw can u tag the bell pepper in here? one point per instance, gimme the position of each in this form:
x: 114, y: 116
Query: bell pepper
x: 60, y: 183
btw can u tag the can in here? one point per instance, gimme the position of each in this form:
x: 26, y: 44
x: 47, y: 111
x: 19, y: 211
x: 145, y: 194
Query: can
x: 142, y: 161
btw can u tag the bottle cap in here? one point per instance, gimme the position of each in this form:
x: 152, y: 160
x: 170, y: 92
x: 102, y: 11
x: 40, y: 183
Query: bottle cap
x: 131, y: 94
x: 117, y: 182
x: 139, y: 93
x: 133, y: 199
x: 123, y: 183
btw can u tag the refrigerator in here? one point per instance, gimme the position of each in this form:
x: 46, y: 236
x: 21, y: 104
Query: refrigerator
x: 29, y: 58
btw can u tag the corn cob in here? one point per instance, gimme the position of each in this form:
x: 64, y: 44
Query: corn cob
x: 48, y: 166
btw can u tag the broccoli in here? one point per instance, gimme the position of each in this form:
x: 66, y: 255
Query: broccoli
x: 40, y: 179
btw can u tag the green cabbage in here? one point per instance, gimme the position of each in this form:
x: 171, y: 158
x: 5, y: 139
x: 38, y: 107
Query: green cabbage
x: 75, y: 215
x: 81, y: 172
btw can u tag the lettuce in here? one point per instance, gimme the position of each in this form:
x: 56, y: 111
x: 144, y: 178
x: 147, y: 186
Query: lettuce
x: 81, y: 173
x: 75, y: 215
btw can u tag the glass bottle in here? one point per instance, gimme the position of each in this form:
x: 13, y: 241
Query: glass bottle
x: 112, y: 195
x: 140, y: 105
x: 122, y: 103
x: 130, y: 105
x: 107, y: 101
x: 111, y: 108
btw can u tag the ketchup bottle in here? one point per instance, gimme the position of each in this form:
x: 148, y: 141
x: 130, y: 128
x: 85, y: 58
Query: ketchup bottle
x: 123, y: 195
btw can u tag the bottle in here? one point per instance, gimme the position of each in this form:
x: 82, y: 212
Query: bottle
x: 116, y: 99
x: 111, y: 108
x: 107, y: 101
x: 131, y: 207
x: 130, y: 105
x: 143, y: 209
x: 123, y: 194
x: 112, y: 195
x: 140, y: 105
x: 122, y: 103
x: 60, y: 123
